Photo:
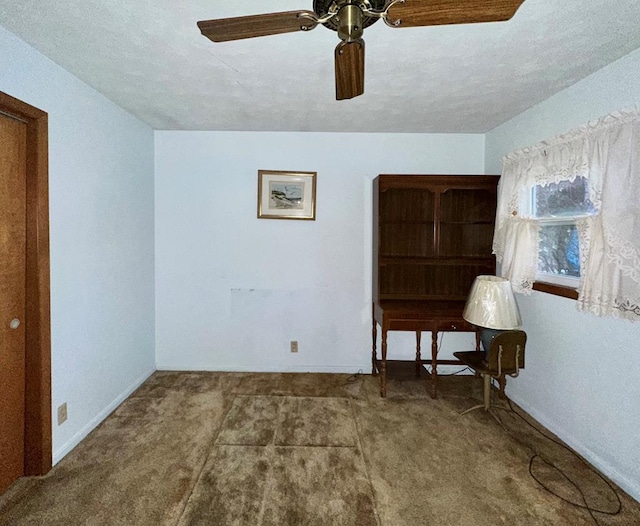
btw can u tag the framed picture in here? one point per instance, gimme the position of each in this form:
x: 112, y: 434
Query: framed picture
x: 286, y: 195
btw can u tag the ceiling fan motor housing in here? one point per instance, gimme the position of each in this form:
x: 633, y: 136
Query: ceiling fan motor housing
x: 322, y: 7
x: 350, y: 23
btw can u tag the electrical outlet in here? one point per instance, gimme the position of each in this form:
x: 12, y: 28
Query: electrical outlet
x: 294, y: 346
x: 62, y: 413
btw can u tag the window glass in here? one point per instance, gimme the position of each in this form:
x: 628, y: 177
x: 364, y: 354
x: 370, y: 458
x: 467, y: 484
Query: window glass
x: 558, y: 252
x: 563, y: 199
x: 559, y: 206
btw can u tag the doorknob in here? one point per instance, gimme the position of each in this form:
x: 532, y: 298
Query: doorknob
x: 14, y: 323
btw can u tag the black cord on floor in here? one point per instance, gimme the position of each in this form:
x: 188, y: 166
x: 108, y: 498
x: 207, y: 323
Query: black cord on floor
x: 354, y: 377
x: 457, y: 372
x: 538, y: 456
x: 430, y: 368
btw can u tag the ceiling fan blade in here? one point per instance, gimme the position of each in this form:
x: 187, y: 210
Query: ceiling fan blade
x: 413, y: 13
x: 349, y: 69
x: 225, y: 29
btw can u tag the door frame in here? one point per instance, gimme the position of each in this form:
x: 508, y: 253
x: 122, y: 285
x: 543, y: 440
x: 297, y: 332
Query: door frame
x: 38, y: 440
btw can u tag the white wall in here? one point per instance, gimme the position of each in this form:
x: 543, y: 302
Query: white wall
x: 101, y: 231
x: 233, y: 290
x: 581, y: 379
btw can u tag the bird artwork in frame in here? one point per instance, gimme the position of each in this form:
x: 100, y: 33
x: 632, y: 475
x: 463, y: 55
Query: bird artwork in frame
x: 286, y: 195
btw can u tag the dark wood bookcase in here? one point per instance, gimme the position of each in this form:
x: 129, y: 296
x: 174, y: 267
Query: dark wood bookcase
x: 432, y: 236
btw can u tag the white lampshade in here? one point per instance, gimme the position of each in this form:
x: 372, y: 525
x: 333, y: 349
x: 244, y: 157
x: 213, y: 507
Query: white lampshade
x: 492, y: 305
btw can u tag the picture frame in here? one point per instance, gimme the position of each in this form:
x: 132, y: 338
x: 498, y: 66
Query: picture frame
x: 286, y: 195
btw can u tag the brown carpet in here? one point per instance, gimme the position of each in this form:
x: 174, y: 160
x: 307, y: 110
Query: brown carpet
x: 311, y: 449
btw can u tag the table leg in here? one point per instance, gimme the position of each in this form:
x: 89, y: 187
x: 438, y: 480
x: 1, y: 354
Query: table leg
x: 374, y: 354
x: 383, y: 365
x: 478, y: 337
x: 434, y: 364
x: 487, y: 391
x: 418, y: 354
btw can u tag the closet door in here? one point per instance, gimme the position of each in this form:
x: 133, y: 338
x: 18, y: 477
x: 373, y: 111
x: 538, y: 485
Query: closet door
x: 13, y: 134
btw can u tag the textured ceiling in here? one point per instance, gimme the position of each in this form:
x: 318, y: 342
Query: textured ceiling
x: 148, y: 56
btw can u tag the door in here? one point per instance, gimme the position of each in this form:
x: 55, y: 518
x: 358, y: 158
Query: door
x: 13, y: 140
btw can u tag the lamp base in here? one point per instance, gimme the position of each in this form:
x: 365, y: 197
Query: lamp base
x: 486, y: 337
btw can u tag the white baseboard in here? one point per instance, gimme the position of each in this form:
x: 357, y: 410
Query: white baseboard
x: 348, y: 369
x: 632, y: 487
x: 62, y: 451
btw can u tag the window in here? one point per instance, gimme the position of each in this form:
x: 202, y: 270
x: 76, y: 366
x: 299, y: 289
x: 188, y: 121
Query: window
x: 558, y: 207
x: 548, y: 235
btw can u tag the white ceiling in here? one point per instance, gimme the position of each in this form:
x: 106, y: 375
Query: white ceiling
x: 149, y: 57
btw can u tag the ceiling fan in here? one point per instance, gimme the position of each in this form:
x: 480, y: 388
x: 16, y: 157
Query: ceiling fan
x: 350, y: 17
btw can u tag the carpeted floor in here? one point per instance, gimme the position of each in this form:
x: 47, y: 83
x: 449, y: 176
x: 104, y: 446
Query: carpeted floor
x: 313, y: 449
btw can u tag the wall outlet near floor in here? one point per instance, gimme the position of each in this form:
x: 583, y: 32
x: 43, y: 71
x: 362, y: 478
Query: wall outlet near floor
x: 294, y: 346
x: 62, y: 413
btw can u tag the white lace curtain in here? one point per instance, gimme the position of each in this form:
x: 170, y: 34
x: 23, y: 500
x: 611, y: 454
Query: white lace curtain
x: 607, y: 153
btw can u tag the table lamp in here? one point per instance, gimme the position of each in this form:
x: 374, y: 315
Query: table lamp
x: 492, y: 306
